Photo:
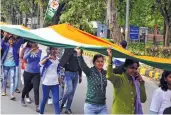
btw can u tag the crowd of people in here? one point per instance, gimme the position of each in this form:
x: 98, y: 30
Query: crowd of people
x: 53, y: 72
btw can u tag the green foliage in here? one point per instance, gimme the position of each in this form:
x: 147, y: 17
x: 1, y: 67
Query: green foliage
x: 80, y: 12
x: 142, y: 13
x: 137, y: 48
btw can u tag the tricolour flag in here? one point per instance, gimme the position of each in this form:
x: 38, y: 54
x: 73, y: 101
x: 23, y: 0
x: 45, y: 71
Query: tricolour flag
x: 67, y: 36
x: 52, y: 8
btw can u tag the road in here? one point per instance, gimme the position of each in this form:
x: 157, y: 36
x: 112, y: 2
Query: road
x: 14, y: 107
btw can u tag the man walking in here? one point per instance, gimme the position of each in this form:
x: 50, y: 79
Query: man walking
x: 73, y: 73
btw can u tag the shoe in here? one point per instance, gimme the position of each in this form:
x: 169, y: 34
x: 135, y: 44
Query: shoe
x: 28, y: 100
x: 50, y: 102
x: 37, y: 109
x: 17, y: 91
x: 65, y: 105
x: 23, y: 103
x: 12, y: 97
x: 62, y: 106
x: 3, y: 94
x: 68, y: 111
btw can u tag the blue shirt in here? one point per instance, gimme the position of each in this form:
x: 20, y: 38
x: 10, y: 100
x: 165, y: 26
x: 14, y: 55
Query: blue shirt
x: 33, y: 60
x: 9, y: 61
x: 5, y: 46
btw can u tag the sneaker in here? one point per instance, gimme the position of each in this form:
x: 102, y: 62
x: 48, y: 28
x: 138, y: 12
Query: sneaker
x: 37, y: 109
x: 23, y: 103
x: 17, y: 91
x: 12, y: 97
x: 62, y: 106
x: 3, y: 94
x: 68, y: 111
x: 65, y: 105
x: 50, y: 101
x: 28, y: 100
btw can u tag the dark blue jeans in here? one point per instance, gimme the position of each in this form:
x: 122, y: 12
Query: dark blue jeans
x: 55, y: 96
x: 71, y: 81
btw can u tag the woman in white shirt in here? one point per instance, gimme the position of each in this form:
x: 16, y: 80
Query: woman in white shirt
x: 162, y: 96
x: 51, y: 79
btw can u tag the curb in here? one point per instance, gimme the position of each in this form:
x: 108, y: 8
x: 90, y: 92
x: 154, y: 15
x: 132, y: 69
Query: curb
x: 150, y: 73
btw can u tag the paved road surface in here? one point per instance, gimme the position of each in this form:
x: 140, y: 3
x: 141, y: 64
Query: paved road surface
x: 14, y: 107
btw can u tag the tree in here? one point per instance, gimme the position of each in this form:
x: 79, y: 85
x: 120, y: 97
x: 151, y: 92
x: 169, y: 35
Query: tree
x: 112, y: 21
x: 81, y: 12
x: 165, y: 10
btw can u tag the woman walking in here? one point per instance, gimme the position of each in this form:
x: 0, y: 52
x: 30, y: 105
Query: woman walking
x: 129, y: 89
x: 32, y: 73
x: 96, y: 78
x: 162, y: 96
x: 50, y: 79
x: 23, y: 65
x: 10, y: 61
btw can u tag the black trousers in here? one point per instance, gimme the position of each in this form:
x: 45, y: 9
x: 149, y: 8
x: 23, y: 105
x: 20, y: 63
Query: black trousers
x: 31, y: 80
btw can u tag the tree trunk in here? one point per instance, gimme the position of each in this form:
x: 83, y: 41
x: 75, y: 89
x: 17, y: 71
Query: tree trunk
x: 32, y: 10
x: 41, y: 14
x: 58, y: 13
x: 168, y: 35
x: 21, y: 18
x: 164, y: 31
x: 112, y: 21
x: 26, y: 20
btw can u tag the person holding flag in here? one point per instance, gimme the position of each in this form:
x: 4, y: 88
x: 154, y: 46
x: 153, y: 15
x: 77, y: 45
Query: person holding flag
x: 51, y: 78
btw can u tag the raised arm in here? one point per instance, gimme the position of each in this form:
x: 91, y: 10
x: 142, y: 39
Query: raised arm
x: 83, y: 65
x: 27, y: 54
x: 44, y: 60
x: 110, y: 75
x: 3, y: 44
x: 19, y: 42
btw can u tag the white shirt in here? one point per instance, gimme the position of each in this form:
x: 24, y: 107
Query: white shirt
x: 51, y: 76
x: 160, y: 101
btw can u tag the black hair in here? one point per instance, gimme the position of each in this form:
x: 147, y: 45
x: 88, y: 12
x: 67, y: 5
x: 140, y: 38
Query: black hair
x: 129, y: 62
x: 2, y: 34
x: 96, y: 57
x: 163, y: 82
x: 123, y: 43
x: 11, y: 37
x: 50, y: 48
x: 27, y: 45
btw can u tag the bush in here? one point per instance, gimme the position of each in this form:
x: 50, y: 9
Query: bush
x: 166, y: 52
x: 163, y: 52
x: 155, y: 51
x: 137, y: 48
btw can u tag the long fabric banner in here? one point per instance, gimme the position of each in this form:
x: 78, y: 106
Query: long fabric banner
x: 67, y: 36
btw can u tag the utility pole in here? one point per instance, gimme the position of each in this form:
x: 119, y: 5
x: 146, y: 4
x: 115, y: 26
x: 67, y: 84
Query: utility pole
x: 127, y: 21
